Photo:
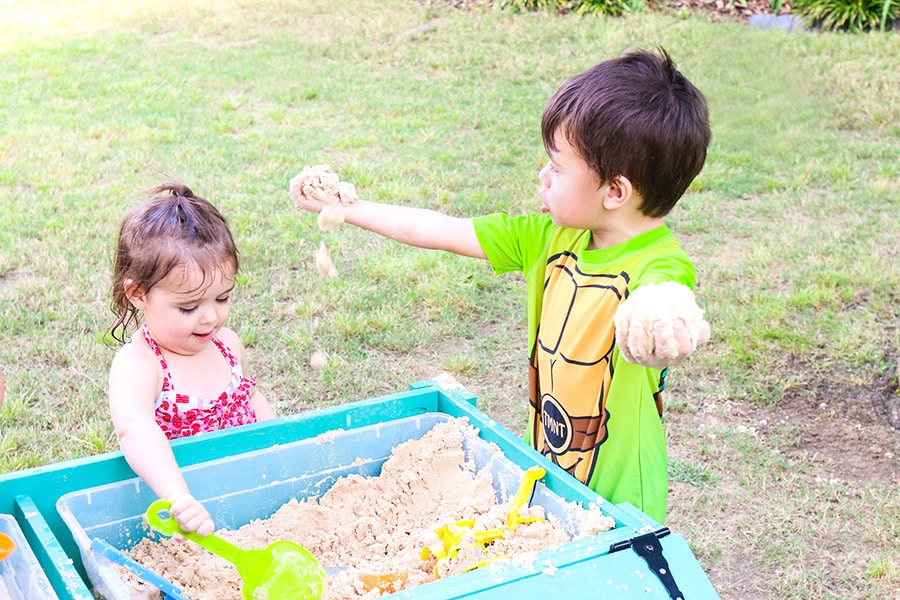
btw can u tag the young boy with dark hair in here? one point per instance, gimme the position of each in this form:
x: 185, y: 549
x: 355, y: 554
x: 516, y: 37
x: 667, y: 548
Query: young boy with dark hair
x: 610, y: 301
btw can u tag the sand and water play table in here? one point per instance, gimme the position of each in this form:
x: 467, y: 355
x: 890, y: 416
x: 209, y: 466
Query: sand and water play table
x: 245, y: 473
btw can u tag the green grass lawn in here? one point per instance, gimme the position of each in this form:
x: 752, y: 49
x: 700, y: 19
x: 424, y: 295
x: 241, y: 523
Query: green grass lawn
x: 793, y: 225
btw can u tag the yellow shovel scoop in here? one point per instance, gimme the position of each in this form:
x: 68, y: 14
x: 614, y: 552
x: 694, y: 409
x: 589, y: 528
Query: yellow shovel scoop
x: 282, y: 570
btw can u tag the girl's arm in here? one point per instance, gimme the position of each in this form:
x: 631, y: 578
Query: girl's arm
x: 133, y: 386
x: 261, y: 406
x: 418, y: 227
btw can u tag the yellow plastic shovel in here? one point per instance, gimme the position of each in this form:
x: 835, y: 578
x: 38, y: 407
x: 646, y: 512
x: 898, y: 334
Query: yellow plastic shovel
x: 281, y: 571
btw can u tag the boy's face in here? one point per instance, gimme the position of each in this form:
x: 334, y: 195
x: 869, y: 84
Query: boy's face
x: 570, y: 190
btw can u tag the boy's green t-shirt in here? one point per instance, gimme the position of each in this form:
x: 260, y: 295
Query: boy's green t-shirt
x: 591, y: 412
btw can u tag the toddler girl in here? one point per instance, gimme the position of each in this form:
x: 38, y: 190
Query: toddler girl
x: 182, y: 372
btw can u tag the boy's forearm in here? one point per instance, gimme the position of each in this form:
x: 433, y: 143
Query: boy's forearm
x: 418, y: 227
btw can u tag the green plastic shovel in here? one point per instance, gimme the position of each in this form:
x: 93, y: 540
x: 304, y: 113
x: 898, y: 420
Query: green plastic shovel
x: 283, y: 570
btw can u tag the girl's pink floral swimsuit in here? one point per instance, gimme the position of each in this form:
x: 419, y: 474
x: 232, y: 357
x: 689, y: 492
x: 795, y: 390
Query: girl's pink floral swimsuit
x: 180, y: 415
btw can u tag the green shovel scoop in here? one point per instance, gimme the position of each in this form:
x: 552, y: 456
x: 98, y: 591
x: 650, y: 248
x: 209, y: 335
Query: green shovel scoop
x: 283, y: 570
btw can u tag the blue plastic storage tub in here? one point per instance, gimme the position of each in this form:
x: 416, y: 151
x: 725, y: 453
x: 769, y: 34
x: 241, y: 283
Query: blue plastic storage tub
x: 253, y: 485
x: 242, y: 488
x: 21, y: 576
x: 639, y: 558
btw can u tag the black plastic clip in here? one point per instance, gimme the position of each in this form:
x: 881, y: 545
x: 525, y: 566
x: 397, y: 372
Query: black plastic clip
x: 647, y: 546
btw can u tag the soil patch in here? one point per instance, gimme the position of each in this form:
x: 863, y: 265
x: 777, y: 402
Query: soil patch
x: 840, y: 422
x: 719, y: 10
x: 846, y: 426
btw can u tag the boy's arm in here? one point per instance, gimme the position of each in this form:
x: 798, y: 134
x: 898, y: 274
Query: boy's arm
x: 146, y: 449
x: 659, y: 325
x: 418, y: 227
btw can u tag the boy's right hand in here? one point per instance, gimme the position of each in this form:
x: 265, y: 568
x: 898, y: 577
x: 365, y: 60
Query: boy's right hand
x: 190, y: 514
x: 305, y: 202
x: 318, y: 186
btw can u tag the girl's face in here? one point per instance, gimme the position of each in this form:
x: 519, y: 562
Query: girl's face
x: 185, y: 309
x: 570, y: 190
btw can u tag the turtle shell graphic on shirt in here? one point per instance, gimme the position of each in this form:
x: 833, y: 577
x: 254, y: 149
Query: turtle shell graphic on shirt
x: 571, y: 364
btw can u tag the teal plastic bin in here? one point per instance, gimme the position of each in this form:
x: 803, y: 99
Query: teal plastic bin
x: 242, y: 488
x: 79, y: 513
x: 250, y: 486
x: 21, y: 576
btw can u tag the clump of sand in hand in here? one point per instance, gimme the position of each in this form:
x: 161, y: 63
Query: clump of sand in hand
x: 319, y: 182
x: 660, y: 324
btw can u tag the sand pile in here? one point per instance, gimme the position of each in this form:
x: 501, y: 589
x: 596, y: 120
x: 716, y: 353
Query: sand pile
x: 430, y: 513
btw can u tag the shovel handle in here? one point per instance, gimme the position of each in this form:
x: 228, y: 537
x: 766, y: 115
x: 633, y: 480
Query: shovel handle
x: 167, y: 525
x: 526, y: 487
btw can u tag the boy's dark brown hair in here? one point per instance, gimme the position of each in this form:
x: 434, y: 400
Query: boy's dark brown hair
x: 637, y: 116
x: 175, y: 228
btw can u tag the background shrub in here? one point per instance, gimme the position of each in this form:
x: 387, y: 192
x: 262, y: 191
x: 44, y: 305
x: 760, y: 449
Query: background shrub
x: 613, y: 8
x: 849, y: 15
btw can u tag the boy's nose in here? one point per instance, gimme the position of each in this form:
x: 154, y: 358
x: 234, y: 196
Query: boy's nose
x: 544, y: 175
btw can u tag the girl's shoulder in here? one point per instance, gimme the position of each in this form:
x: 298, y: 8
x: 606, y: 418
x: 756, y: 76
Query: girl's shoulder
x: 135, y: 371
x: 229, y: 338
x: 135, y: 355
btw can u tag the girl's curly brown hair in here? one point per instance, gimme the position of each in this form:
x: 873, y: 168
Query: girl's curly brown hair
x: 175, y: 228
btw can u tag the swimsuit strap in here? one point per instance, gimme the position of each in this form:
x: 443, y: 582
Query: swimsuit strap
x: 226, y: 352
x: 167, y: 376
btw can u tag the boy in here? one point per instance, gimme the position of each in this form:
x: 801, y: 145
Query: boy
x: 625, y: 139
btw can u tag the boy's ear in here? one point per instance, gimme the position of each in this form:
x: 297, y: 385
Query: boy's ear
x: 134, y: 294
x: 618, y: 193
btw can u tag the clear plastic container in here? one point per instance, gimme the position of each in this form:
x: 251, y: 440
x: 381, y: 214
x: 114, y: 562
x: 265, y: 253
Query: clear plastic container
x: 21, y: 575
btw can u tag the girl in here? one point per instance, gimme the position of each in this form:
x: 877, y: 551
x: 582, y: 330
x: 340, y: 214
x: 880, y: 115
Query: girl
x: 182, y: 372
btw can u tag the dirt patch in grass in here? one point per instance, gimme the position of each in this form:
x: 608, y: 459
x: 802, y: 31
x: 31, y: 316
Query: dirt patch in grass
x: 836, y: 431
x: 846, y: 427
x: 849, y: 425
x: 719, y: 10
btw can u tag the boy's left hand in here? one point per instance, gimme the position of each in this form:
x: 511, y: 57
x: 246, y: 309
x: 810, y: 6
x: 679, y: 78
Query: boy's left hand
x: 659, y: 325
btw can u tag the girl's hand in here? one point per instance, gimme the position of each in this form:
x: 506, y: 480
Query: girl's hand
x: 190, y: 514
